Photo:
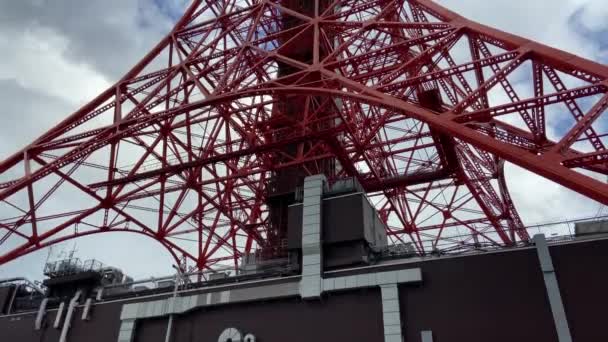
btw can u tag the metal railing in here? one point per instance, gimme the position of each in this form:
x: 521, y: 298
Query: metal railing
x: 71, y: 266
x: 463, y: 244
x: 195, y: 279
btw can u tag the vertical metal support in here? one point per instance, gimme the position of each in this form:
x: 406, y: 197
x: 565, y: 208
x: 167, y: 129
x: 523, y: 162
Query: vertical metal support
x: 555, y: 299
x: 68, y: 317
x: 312, y: 247
x: 391, y: 314
x: 86, y: 309
x: 426, y: 336
x: 41, y: 313
x: 170, y: 323
x: 58, y: 316
x: 169, y: 328
x: 12, y: 301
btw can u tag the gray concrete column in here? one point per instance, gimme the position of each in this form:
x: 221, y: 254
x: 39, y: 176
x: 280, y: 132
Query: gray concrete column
x: 127, y: 330
x: 312, y: 248
x: 391, y: 314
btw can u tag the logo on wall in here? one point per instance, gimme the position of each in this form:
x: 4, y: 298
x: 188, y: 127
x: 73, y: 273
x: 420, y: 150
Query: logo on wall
x: 234, y: 335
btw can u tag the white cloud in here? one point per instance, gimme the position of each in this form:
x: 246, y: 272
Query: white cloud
x: 546, y: 21
x: 594, y: 15
x: 34, y: 59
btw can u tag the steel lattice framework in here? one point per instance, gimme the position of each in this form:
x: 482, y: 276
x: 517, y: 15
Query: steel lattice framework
x: 419, y: 104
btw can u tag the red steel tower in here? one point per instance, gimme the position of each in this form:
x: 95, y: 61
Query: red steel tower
x: 202, y: 144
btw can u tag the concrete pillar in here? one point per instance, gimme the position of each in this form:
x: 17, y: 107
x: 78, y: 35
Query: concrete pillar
x: 312, y: 247
x: 391, y: 313
x: 127, y: 330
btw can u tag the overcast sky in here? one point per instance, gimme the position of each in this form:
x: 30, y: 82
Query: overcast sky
x: 58, y: 54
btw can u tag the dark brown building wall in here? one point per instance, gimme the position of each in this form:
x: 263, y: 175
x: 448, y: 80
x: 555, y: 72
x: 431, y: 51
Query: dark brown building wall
x: 582, y: 275
x: 103, y: 326
x: 495, y: 297
x: 353, y: 316
x: 153, y: 330
x: 19, y: 328
x: 6, y: 293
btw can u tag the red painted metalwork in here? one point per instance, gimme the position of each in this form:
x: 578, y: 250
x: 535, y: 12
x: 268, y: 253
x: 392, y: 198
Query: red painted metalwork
x: 243, y: 98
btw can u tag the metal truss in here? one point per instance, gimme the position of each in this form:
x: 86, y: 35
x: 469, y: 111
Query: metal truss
x: 419, y: 104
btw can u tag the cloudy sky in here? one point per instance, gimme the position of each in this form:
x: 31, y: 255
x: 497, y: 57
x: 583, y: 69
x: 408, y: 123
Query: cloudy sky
x: 58, y: 54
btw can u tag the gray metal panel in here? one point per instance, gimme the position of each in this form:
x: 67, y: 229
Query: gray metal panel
x: 546, y: 265
x: 386, y: 278
x: 312, y: 261
x: 390, y: 278
x: 591, y: 228
x: 264, y: 292
x: 351, y: 217
x: 129, y: 311
x: 179, y: 305
x: 344, y: 218
x: 391, y: 316
x: 555, y: 298
x: 426, y: 336
x: 127, y: 328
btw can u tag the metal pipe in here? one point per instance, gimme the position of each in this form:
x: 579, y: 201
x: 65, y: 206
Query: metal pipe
x: 27, y: 281
x: 58, y: 315
x: 183, y: 275
x: 40, y: 314
x: 68, y: 316
x: 10, y: 305
x: 178, y: 275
